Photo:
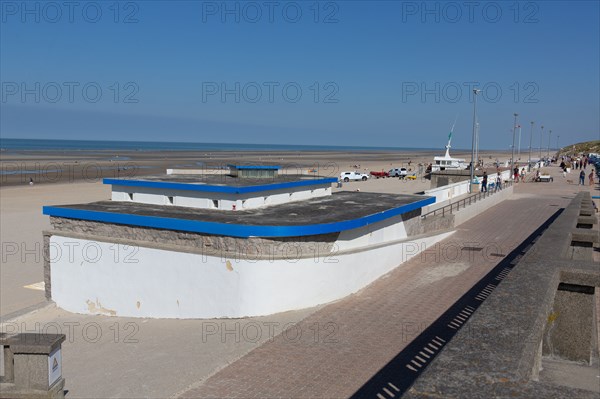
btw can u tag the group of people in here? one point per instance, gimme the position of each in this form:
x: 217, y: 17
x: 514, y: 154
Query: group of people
x: 484, y: 182
x: 567, y: 162
x: 519, y: 174
x: 574, y: 163
x: 582, y: 177
x: 578, y: 164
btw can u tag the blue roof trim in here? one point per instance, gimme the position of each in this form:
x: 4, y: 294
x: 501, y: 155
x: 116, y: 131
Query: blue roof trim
x: 218, y: 189
x: 255, y: 167
x: 233, y: 230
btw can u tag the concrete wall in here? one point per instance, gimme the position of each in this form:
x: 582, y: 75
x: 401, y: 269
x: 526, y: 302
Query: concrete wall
x: 449, y: 177
x: 95, y: 279
x: 400, y: 227
x: 206, y: 171
x: 444, y: 195
x: 570, y: 333
x: 498, y: 351
x: 392, y: 229
x: 473, y: 210
x: 102, y: 268
x: 222, y: 201
x: 213, y: 245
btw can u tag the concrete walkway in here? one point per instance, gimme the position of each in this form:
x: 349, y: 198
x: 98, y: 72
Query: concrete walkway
x: 350, y: 341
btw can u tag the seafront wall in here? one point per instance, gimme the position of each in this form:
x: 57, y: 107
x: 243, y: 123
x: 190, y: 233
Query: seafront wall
x: 458, y: 191
x: 173, y: 284
x: 542, y: 311
x: 476, y: 208
x: 444, y: 195
x: 144, y: 272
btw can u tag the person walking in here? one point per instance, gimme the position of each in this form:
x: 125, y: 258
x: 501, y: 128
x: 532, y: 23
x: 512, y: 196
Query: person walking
x: 582, y: 178
x: 484, y: 182
x: 592, y: 177
x: 516, y: 174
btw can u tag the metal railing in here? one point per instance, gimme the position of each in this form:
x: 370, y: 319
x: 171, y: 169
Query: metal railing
x: 463, y: 203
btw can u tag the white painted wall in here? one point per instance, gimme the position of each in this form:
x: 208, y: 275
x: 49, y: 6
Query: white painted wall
x: 374, y: 234
x: 204, y: 200
x: 482, y: 205
x: 445, y: 194
x: 120, y: 196
x: 149, y: 198
x: 102, y: 278
x: 207, y: 171
x: 193, y: 202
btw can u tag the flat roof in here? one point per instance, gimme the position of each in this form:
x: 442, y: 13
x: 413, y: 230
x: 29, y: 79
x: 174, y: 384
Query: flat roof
x: 334, y: 213
x: 222, y: 183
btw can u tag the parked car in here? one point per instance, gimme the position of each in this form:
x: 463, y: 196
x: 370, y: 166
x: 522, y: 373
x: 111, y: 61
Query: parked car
x: 398, y: 172
x: 347, y: 176
x: 379, y: 174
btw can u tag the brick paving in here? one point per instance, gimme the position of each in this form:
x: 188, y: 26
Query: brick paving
x: 333, y: 352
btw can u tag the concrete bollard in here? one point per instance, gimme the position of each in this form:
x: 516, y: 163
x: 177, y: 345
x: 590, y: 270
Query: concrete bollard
x: 31, y: 366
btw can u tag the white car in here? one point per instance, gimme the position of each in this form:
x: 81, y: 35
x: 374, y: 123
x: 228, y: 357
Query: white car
x: 347, y: 176
x: 398, y: 172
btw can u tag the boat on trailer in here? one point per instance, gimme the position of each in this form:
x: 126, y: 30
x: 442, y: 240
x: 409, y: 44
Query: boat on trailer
x: 447, y: 162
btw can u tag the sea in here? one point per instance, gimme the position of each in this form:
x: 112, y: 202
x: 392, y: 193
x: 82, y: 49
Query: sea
x: 8, y: 145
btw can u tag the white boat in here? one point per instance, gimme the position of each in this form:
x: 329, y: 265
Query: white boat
x: 447, y: 162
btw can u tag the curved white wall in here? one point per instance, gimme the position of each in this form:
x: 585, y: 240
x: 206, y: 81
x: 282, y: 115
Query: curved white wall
x: 103, y: 278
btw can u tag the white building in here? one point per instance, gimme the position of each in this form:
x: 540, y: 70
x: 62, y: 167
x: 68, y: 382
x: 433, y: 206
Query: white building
x: 195, y: 246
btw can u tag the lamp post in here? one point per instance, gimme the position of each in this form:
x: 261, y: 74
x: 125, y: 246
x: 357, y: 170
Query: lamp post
x: 519, y: 146
x: 530, y: 142
x: 541, y: 134
x: 549, y: 135
x: 475, y: 91
x: 477, y: 143
x: 512, y: 159
x: 557, y: 147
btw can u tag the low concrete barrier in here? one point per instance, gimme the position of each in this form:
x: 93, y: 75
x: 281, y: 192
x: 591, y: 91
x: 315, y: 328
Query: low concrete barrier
x: 543, y: 309
x: 465, y: 209
x: 444, y: 195
x: 31, y: 366
x: 475, y: 209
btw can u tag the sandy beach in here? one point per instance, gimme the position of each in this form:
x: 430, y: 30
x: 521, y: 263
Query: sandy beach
x: 51, y: 167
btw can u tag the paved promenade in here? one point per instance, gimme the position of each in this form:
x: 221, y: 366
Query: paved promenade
x: 343, y: 345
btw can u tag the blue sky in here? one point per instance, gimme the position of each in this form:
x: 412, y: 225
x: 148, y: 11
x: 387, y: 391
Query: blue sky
x: 300, y: 72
